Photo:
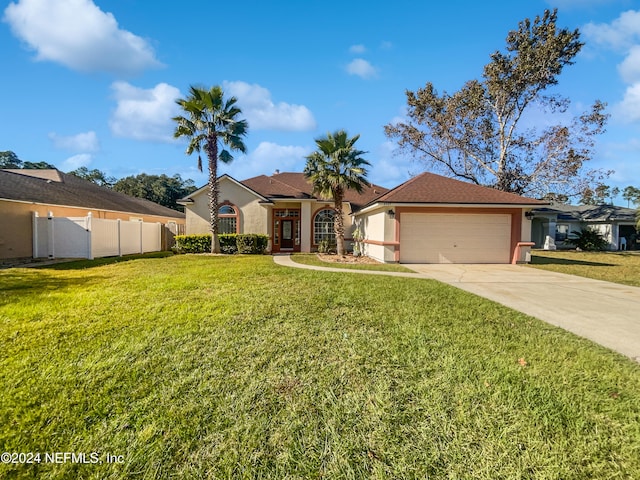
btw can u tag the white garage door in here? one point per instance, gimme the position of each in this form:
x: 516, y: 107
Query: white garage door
x: 455, y: 238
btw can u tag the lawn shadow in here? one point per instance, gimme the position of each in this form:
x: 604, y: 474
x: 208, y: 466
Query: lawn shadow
x: 99, y: 262
x: 23, y: 285
x: 536, y: 260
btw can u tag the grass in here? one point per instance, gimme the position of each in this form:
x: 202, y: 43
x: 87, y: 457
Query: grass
x: 617, y: 267
x: 233, y: 367
x: 312, y: 259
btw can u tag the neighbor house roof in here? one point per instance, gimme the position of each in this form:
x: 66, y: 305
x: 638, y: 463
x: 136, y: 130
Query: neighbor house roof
x: 590, y: 213
x: 436, y: 189
x: 52, y: 187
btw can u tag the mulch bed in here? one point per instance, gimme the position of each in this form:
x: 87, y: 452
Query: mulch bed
x: 333, y: 258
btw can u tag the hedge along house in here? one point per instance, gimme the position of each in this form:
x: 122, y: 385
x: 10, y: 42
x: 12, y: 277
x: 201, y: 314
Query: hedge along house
x: 26, y: 193
x: 435, y: 219
x: 282, y: 206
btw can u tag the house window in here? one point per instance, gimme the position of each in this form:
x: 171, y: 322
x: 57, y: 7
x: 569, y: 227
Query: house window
x: 323, y: 228
x: 227, y: 219
x: 562, y: 232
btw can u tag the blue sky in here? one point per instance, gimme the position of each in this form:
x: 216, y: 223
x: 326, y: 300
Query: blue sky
x: 93, y: 82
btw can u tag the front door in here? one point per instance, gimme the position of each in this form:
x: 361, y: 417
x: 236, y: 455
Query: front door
x: 287, y: 234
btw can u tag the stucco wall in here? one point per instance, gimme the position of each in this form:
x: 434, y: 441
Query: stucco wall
x: 253, y: 216
x: 16, y: 227
x: 377, y: 226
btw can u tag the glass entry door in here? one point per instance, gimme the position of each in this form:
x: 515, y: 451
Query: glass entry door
x: 287, y: 234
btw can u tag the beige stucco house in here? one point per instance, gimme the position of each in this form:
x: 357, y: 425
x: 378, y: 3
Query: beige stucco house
x: 25, y: 193
x: 282, y: 206
x: 428, y: 219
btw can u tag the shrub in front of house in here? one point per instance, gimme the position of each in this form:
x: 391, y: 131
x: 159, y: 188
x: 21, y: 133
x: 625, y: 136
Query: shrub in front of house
x: 327, y: 246
x: 192, y: 243
x: 589, y: 240
x: 252, y: 243
x: 230, y: 243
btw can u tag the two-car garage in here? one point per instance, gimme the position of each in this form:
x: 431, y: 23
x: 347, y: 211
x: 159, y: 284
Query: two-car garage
x: 455, y: 237
x: 435, y: 219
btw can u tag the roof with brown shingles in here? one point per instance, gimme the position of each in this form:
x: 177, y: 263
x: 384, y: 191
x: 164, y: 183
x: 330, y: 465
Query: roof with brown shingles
x: 297, y: 185
x: 433, y: 189
x: 52, y: 187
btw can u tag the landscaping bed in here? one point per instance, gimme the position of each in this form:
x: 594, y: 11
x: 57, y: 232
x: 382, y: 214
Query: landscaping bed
x: 347, y: 261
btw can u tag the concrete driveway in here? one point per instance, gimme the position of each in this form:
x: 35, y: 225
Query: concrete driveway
x: 607, y: 313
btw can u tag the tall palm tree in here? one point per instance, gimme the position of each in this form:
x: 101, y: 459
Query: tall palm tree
x: 335, y: 167
x: 210, y: 122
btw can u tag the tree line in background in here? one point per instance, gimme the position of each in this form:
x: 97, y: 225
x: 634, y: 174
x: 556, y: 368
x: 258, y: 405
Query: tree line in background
x: 160, y: 189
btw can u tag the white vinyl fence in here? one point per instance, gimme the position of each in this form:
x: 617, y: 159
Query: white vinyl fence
x: 88, y: 237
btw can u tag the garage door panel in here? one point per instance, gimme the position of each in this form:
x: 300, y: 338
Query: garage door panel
x: 455, y: 238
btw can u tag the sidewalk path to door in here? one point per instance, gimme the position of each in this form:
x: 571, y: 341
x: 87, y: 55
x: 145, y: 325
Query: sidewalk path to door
x: 604, y: 312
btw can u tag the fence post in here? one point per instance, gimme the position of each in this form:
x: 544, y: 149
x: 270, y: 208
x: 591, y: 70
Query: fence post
x: 34, y: 249
x: 141, y: 245
x: 119, y: 237
x: 51, y: 247
x: 89, y: 229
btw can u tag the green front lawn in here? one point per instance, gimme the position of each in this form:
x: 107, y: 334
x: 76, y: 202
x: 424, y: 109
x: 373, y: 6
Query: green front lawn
x: 618, y: 267
x: 233, y: 367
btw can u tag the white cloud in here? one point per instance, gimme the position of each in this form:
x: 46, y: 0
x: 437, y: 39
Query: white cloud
x: 361, y: 68
x: 386, y: 45
x: 82, y: 142
x: 620, y: 34
x: 77, y: 161
x: 144, y: 114
x: 629, y: 69
x: 77, y: 34
x: 628, y: 110
x: 266, y: 159
x: 262, y: 114
x: 360, y: 49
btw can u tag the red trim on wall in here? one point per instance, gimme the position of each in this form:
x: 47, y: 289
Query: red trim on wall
x: 378, y: 242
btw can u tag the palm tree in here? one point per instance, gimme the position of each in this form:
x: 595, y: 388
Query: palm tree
x: 210, y: 122
x: 335, y: 167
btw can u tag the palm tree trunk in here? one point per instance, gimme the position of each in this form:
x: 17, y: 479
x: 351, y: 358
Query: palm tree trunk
x: 338, y: 222
x: 212, y: 153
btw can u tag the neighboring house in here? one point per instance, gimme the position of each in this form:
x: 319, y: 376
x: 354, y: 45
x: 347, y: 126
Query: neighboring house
x: 430, y: 218
x: 24, y: 193
x: 282, y: 206
x: 553, y: 226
